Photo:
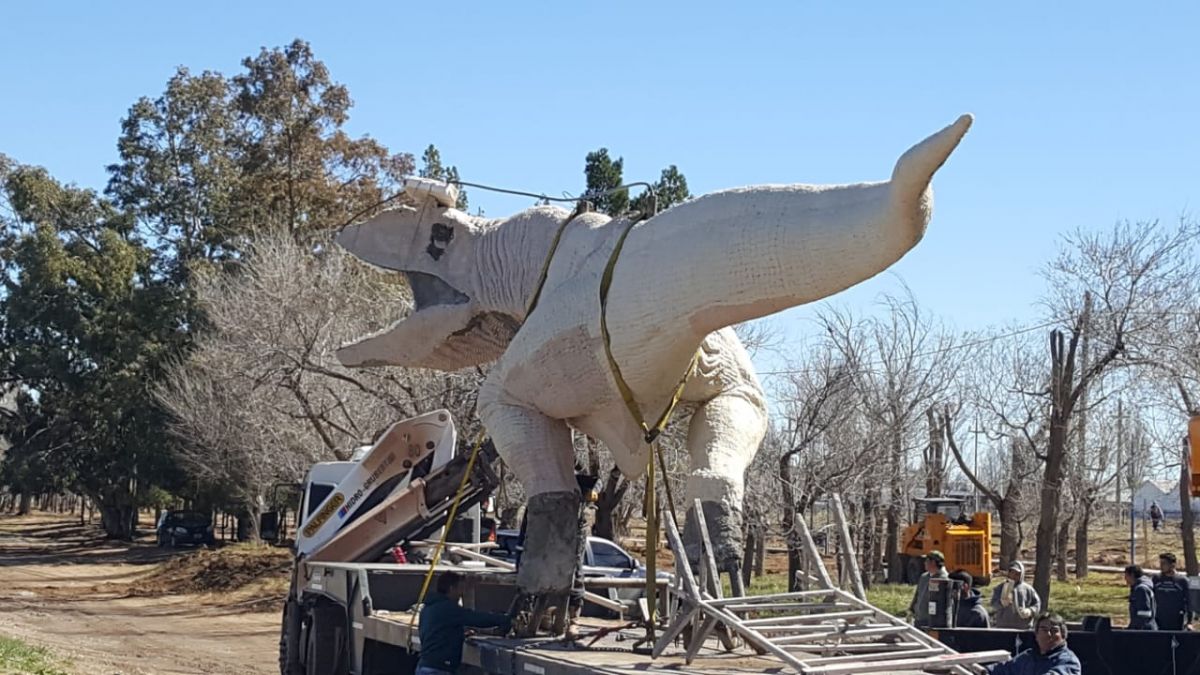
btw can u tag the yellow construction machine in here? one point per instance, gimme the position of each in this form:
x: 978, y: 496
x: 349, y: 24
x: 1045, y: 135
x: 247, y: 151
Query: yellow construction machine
x: 942, y: 524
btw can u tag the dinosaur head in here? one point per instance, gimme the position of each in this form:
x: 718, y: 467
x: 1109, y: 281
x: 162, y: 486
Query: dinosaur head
x: 470, y: 279
x: 434, y: 248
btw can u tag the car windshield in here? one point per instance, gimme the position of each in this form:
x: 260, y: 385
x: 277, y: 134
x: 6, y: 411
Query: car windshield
x: 188, y: 519
x: 605, y: 554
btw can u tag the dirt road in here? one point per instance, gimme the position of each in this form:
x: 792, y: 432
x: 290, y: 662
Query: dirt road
x: 65, y: 588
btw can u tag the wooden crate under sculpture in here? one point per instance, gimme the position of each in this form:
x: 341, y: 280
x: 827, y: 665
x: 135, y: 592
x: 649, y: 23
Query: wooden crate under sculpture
x: 683, y: 278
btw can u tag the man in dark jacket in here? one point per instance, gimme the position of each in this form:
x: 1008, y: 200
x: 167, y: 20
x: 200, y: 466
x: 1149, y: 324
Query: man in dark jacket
x: 1052, y: 656
x: 1173, y: 610
x: 971, y: 612
x: 441, y: 626
x: 1141, y: 599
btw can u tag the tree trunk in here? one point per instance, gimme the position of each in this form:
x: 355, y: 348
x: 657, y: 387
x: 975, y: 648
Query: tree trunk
x: 1187, y: 521
x: 1081, y: 543
x: 895, y: 571
x: 116, y: 519
x: 751, y: 545
x: 615, y: 487
x: 1060, y: 549
x: 1010, y: 533
x: 1050, y: 504
x: 25, y: 505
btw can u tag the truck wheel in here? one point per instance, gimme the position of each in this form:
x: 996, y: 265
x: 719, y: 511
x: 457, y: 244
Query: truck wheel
x: 326, y: 641
x: 289, y: 641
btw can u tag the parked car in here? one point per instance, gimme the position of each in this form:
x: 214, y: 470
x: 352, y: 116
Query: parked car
x: 602, y: 558
x: 177, y: 528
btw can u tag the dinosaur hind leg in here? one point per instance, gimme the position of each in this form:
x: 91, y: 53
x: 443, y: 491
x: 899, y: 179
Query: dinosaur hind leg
x: 723, y: 438
x: 538, y: 450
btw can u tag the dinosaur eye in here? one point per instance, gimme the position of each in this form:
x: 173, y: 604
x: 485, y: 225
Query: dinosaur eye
x: 439, y: 236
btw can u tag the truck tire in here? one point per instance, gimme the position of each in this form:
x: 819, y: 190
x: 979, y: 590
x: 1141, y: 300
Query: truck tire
x: 289, y: 640
x: 326, y: 641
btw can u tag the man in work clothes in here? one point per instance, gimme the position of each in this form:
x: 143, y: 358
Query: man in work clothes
x: 442, y: 625
x: 1014, y: 602
x: 1156, y: 516
x: 971, y: 612
x: 1141, y: 599
x: 935, y: 566
x: 1173, y: 608
x: 1052, y: 656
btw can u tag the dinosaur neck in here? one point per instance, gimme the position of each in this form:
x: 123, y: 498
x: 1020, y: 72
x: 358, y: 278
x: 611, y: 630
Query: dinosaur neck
x: 509, y: 260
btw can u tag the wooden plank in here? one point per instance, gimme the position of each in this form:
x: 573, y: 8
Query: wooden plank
x: 913, y: 633
x: 868, y: 647
x: 861, y: 658
x: 813, y: 627
x: 599, y: 600
x: 708, y: 560
x: 810, y: 547
x: 846, y: 550
x: 698, y: 638
x: 839, y: 634
x: 770, y: 596
x: 832, y: 616
x: 816, y: 611
x: 680, y: 622
x: 683, y: 570
x: 918, y: 664
x: 772, y: 607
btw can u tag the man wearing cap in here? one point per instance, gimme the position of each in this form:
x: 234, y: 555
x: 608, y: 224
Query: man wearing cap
x: 1173, y: 610
x: 1014, y: 602
x: 935, y: 566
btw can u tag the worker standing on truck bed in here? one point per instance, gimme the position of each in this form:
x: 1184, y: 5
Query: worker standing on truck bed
x: 442, y: 625
x: 1173, y: 609
x: 1015, y: 602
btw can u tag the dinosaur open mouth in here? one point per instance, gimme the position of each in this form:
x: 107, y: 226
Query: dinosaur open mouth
x: 429, y: 290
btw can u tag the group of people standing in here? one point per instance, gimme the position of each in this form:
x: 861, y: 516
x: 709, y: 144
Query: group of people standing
x: 1160, y: 602
x: 1014, y: 603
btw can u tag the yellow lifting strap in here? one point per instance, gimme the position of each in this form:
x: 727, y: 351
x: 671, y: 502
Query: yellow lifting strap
x: 441, y: 545
x: 462, y: 486
x: 649, y: 433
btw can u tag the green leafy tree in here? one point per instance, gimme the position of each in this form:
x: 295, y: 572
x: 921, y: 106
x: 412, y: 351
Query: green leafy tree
x: 603, y: 173
x: 87, y: 326
x: 301, y: 171
x: 671, y: 189
x: 179, y: 174
x: 431, y: 167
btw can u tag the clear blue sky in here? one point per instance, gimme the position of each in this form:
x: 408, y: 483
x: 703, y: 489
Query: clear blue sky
x: 1085, y: 112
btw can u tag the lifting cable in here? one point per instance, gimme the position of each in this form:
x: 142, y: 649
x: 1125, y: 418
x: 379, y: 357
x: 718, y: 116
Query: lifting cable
x: 650, y: 433
x: 479, y: 437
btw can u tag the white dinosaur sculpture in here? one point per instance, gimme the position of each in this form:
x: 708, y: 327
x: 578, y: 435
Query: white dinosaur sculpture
x: 682, y: 279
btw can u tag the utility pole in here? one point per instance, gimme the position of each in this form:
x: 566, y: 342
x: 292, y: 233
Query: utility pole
x: 1120, y: 452
x: 975, y: 457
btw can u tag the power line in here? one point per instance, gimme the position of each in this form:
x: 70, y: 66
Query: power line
x: 867, y: 367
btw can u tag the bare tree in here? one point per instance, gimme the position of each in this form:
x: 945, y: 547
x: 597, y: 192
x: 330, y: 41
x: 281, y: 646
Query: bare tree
x: 1116, y: 284
x: 905, y: 365
x: 820, y: 446
x: 262, y: 395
